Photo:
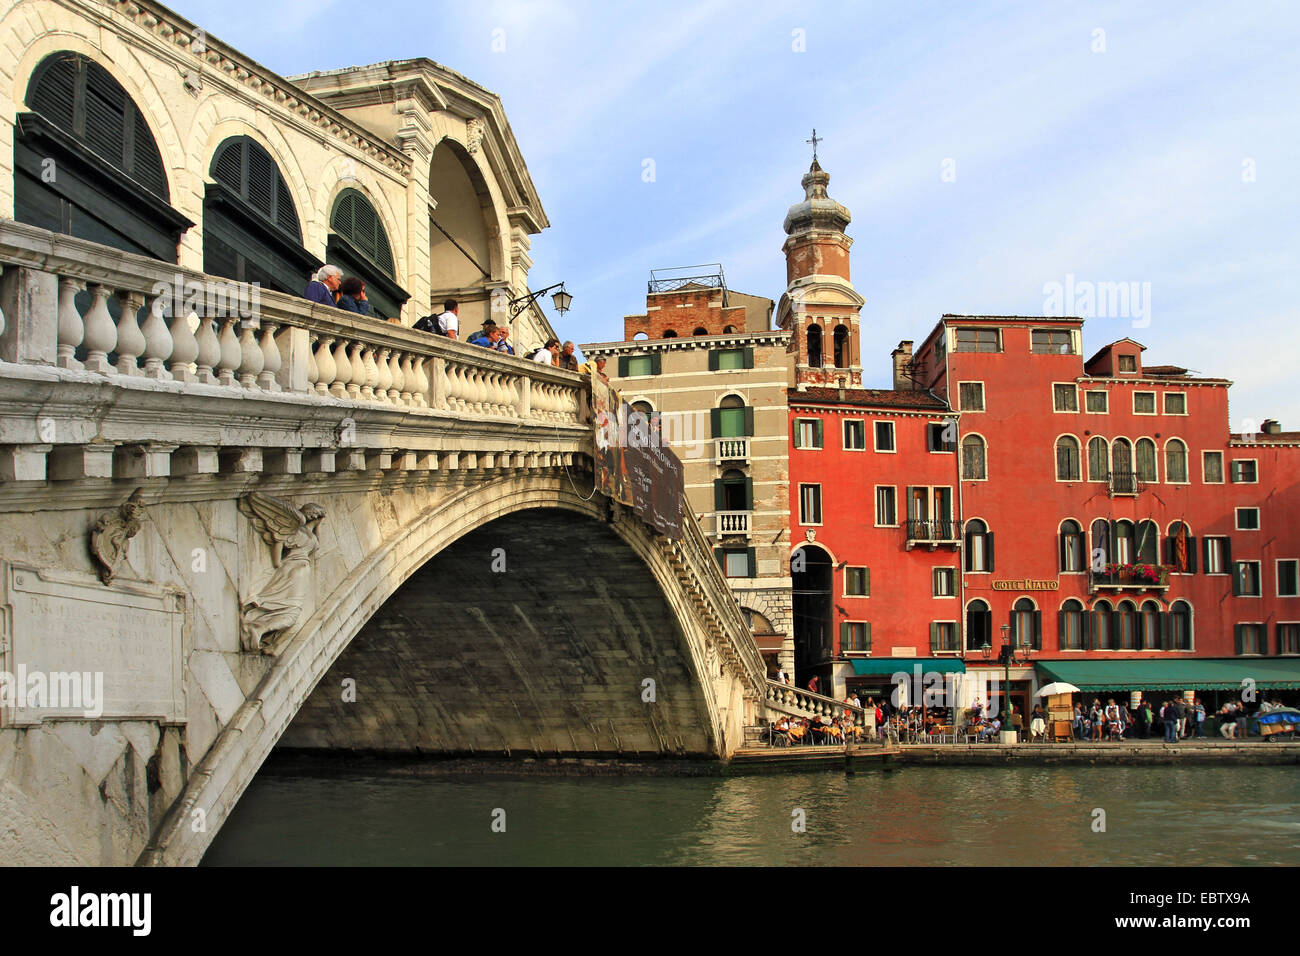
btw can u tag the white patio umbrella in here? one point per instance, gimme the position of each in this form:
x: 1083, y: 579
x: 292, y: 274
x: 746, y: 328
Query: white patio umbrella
x: 1058, y: 687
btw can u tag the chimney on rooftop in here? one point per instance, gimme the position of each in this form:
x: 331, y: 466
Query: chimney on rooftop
x: 1271, y: 426
x: 902, y: 359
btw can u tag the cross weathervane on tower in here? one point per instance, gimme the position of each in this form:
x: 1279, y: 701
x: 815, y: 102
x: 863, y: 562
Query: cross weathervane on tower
x: 815, y: 140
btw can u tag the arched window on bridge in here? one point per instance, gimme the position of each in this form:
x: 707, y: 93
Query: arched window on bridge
x: 251, y: 231
x: 358, y: 244
x: 86, y: 163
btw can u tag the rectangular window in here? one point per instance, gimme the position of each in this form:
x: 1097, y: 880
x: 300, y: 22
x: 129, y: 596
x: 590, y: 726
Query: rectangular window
x: 970, y: 396
x: 807, y: 433
x: 1247, y: 519
x: 1288, y: 578
x: 945, y: 636
x: 1096, y: 402
x: 1252, y: 638
x: 941, y: 346
x: 1144, y: 403
x: 1212, y: 467
x: 884, y: 436
x: 735, y: 564
x: 853, y: 636
x: 855, y: 435
x: 945, y: 582
x: 1065, y: 398
x: 886, y: 514
x: 941, y: 436
x: 978, y: 340
x: 1051, y: 342
x: 1246, y: 579
x: 1288, y: 638
x: 730, y: 358
x: 1216, y: 555
x: 810, y: 504
x: 639, y: 365
x: 1128, y: 363
x: 1245, y: 471
x: 1175, y: 403
x: 857, y: 582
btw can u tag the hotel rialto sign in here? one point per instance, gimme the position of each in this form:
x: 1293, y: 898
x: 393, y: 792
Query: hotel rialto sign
x: 1027, y: 584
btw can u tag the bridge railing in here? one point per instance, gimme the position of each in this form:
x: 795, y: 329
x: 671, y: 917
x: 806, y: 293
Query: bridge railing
x: 80, y: 306
x: 788, y: 699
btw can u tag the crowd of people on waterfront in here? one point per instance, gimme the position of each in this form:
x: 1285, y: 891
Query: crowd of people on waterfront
x: 329, y: 286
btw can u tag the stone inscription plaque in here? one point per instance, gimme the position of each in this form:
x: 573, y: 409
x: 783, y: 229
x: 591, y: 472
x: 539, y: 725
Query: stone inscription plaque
x: 131, y: 633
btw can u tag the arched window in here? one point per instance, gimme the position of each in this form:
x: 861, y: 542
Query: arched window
x: 974, y: 466
x: 1026, y: 625
x: 645, y: 408
x: 700, y: 330
x: 1123, y: 533
x: 1180, y: 626
x: 814, y: 336
x: 1126, y: 625
x: 358, y: 244
x: 639, y: 336
x: 726, y: 330
x: 1067, y: 458
x: 1150, y: 626
x: 1072, y: 558
x: 978, y: 546
x: 1103, y: 627
x: 1121, y: 457
x: 86, y: 163
x: 1070, y: 626
x: 1101, y: 546
x: 1180, y: 548
x: 733, y: 418
x: 734, y: 491
x: 251, y: 231
x: 669, y: 334
x: 1148, y: 542
x: 841, y: 341
x: 979, y: 625
x: 1175, y: 461
x: 1146, y: 459
x: 1098, y: 458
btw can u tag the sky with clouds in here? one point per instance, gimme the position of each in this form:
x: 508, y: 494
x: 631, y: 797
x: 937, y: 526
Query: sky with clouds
x: 985, y: 150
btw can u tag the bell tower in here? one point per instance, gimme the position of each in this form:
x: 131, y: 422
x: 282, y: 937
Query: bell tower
x: 820, y: 304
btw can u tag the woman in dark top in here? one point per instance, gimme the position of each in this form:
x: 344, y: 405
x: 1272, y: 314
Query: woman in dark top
x: 352, y: 296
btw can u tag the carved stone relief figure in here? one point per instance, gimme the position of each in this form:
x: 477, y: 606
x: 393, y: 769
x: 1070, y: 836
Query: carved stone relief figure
x: 291, y: 533
x: 112, y: 534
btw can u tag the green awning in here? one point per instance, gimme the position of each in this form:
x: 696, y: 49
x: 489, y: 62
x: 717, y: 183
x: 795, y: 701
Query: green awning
x: 887, y: 666
x: 1164, y: 674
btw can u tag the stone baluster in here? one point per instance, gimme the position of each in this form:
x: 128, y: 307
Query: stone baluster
x: 232, y: 355
x: 358, y: 372
x: 372, y: 373
x: 157, y: 339
x: 251, y: 359
x: 438, y: 383
x: 408, y: 380
x: 455, y: 385
x: 209, y: 350
x: 185, y: 347
x: 271, y: 360
x: 525, y: 406
x: 512, y: 394
x: 71, y: 327
x: 324, y: 365
x: 342, y: 370
x: 420, y: 391
x: 313, y: 371
x: 395, y: 389
x: 130, y: 340
x: 100, y: 333
x: 385, y: 380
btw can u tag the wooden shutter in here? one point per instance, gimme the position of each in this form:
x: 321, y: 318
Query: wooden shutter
x: 1238, y: 632
x: 968, y: 550
x: 749, y: 494
x: 1227, y: 552
x: 715, y: 425
x: 1165, y: 639
x: 866, y: 635
x: 844, y: 636
x: 713, y: 360
x: 1236, y: 582
x: 1062, y: 546
x: 1087, y: 633
x: 1038, y: 630
x: 753, y: 564
x: 866, y: 576
x: 622, y: 370
x: 749, y: 357
x: 957, y: 634
x: 749, y: 421
x: 934, y: 637
x: 718, y: 495
x: 656, y: 363
x: 988, y: 551
x: 1191, y: 554
x: 722, y: 561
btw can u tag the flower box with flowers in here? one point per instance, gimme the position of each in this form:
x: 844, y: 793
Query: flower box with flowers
x: 1132, y: 576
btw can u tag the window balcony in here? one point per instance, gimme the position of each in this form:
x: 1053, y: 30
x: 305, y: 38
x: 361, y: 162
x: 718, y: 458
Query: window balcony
x: 933, y: 532
x: 730, y: 449
x: 1125, y: 483
x: 1130, y: 577
x: 732, y: 523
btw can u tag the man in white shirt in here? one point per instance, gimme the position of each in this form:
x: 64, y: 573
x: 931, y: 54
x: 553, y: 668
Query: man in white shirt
x: 449, y: 321
x: 547, y: 354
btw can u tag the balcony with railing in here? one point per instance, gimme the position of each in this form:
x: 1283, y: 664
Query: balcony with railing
x: 730, y: 449
x: 1134, y: 577
x: 933, y: 533
x: 1124, y: 483
x: 732, y: 523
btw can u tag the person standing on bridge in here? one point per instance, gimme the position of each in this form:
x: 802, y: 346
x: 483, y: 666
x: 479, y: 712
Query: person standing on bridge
x: 812, y: 683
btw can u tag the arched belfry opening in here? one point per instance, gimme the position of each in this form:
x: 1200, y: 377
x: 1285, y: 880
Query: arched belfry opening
x: 464, y: 239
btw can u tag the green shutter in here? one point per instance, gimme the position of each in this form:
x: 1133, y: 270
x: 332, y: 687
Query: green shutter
x: 753, y: 563
x: 1037, y: 639
x: 656, y: 363
x: 988, y: 550
x: 1236, y: 582
x: 1085, y: 629
x: 622, y: 365
x: 749, y: 358
x: 749, y: 494
x: 713, y: 360
x: 715, y: 422
x: 722, y: 561
x: 1060, y: 629
x: 957, y: 633
x: 749, y: 420
x: 844, y: 635
x: 934, y: 637
x: 1227, y: 552
x: 1239, y: 636
x: 1191, y: 554
x: 866, y: 635
x: 718, y: 495
x: 794, y: 424
x: 866, y: 574
x: 817, y: 430
x: 1165, y: 640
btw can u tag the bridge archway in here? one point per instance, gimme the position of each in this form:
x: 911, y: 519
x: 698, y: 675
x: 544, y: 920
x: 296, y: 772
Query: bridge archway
x: 707, y: 697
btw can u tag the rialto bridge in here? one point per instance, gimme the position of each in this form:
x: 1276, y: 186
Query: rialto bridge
x: 316, y: 530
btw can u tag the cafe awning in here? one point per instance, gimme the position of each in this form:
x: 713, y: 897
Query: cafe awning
x: 888, y: 666
x: 1186, y: 674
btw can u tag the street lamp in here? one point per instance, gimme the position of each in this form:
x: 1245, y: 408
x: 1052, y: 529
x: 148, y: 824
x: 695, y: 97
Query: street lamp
x: 1006, y: 657
x: 561, y: 300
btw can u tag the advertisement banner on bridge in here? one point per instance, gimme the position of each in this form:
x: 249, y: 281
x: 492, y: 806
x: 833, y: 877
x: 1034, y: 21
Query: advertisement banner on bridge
x: 633, y: 466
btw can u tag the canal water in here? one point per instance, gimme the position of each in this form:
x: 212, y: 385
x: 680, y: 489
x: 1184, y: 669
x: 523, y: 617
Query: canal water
x: 920, y: 816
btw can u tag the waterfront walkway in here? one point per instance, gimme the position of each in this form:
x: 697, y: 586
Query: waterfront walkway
x: 1249, y: 751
